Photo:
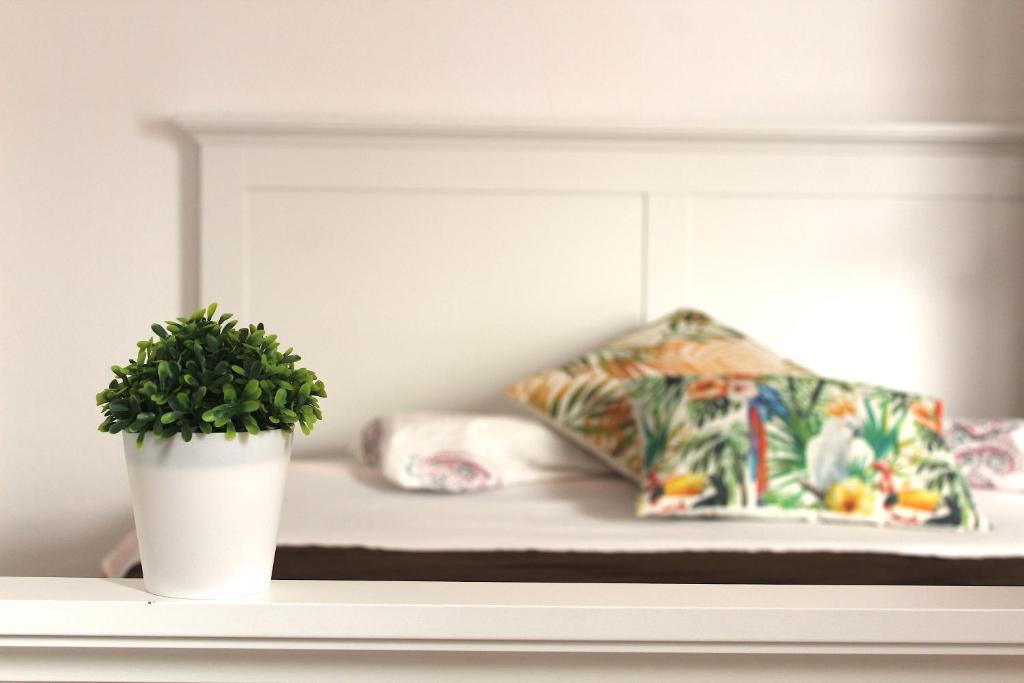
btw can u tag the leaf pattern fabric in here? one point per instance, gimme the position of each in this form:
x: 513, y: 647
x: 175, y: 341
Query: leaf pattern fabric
x: 586, y: 399
x: 789, y: 446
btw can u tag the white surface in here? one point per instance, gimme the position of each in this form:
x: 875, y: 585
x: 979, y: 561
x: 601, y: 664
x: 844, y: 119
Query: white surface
x: 98, y: 224
x: 90, y: 629
x: 335, y: 504
x: 579, y: 615
x: 207, y: 511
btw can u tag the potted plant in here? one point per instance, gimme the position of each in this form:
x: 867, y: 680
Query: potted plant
x: 207, y: 411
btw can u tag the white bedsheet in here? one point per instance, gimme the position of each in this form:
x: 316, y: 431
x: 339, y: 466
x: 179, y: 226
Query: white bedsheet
x: 338, y: 503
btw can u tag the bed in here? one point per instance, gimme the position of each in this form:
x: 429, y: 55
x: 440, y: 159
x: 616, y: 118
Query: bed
x: 440, y: 264
x: 341, y: 521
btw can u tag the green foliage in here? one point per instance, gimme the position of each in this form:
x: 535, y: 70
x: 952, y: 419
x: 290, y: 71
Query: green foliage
x: 204, y: 375
x: 597, y: 409
x: 709, y: 409
x: 660, y: 396
x: 931, y: 439
x: 787, y: 500
x: 699, y: 327
x: 725, y: 452
x: 944, y: 476
x: 790, y: 435
x: 881, y: 429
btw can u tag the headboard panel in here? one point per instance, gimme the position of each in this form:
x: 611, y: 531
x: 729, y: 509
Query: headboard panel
x: 423, y: 268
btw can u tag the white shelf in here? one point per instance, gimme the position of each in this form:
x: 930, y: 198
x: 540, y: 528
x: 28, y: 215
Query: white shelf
x: 97, y: 629
x: 408, y: 615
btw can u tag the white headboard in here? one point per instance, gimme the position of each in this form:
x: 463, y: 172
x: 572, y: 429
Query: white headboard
x: 428, y: 267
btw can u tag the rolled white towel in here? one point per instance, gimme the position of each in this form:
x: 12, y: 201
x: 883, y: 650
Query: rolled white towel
x: 989, y: 451
x: 459, y: 452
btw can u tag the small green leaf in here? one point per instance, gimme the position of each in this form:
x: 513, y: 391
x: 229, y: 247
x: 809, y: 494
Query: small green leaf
x: 229, y: 393
x: 279, y: 398
x: 252, y: 389
x: 250, y: 425
x: 250, y: 406
x: 168, y: 418
x: 160, y: 331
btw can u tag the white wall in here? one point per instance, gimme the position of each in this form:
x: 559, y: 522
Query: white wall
x: 97, y: 192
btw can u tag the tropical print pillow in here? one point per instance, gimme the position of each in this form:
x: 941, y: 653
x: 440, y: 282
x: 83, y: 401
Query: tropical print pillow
x: 804, y: 447
x: 586, y: 400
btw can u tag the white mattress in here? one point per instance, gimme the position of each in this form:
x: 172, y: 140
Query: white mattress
x: 333, y: 503
x: 337, y: 503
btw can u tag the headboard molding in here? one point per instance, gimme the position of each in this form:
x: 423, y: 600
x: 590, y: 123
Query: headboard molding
x: 212, y: 128
x: 429, y: 265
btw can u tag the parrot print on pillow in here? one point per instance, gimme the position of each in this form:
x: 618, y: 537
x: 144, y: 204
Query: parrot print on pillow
x: 796, y: 447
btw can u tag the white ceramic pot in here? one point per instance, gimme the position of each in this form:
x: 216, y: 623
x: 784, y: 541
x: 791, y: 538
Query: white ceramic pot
x: 207, y: 511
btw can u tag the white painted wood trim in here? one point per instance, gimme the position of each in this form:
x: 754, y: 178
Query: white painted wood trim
x: 209, y: 127
x: 99, y: 629
x: 245, y: 155
x: 522, y: 617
